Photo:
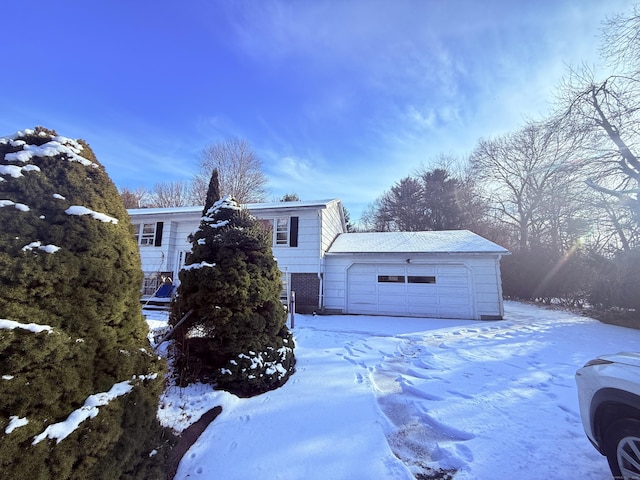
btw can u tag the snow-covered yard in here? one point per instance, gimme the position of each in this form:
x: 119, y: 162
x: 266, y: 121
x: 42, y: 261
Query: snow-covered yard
x: 403, y: 398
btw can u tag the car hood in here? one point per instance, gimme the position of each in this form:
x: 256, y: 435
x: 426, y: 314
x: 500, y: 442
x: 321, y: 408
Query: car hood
x: 626, y: 358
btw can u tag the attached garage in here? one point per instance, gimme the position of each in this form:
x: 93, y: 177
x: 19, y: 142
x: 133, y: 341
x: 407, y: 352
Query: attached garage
x: 450, y: 274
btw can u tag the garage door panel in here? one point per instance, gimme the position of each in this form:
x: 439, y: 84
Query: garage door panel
x: 364, y: 267
x: 421, y: 270
x: 423, y: 311
x: 422, y: 289
x: 360, y: 299
x: 386, y: 288
x: 363, y: 288
x: 395, y: 300
x: 391, y: 270
x: 430, y: 302
x: 360, y: 278
x: 455, y: 302
x: 452, y: 280
x: 452, y: 291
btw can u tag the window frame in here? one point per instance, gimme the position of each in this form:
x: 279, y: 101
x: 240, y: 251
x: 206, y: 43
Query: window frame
x: 147, y: 239
x: 421, y: 279
x: 392, y: 279
x: 280, y: 228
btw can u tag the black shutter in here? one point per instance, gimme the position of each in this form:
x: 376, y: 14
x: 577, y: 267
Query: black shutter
x: 293, y: 232
x: 158, y: 240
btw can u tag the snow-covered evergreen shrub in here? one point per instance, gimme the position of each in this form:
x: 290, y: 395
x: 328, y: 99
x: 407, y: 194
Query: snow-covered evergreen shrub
x: 71, y: 327
x: 237, y: 335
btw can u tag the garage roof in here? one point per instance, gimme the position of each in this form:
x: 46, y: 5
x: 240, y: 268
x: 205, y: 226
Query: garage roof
x: 446, y: 241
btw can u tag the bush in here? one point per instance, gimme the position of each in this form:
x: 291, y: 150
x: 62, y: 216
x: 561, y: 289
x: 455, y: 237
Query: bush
x: 68, y: 260
x: 543, y: 275
x: 616, y: 284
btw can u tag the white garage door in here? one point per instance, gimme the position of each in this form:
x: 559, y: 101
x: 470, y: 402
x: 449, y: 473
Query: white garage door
x: 408, y: 290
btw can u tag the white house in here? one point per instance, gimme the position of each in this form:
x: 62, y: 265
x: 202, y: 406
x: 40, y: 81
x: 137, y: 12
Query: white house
x: 302, y: 234
x: 450, y: 274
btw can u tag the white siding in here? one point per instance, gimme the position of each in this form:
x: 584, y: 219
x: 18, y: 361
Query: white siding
x: 304, y: 258
x: 332, y: 224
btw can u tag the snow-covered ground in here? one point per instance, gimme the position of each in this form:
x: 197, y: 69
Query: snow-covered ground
x: 403, y: 398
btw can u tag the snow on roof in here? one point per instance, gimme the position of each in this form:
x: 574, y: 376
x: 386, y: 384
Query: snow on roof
x: 297, y: 204
x: 249, y: 206
x: 197, y: 209
x: 447, y: 241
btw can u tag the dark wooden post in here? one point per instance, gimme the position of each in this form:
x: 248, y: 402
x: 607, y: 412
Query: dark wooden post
x: 292, y: 308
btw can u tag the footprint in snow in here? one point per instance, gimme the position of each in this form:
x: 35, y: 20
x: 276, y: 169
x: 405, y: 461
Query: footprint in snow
x: 572, y: 415
x: 350, y: 360
x: 464, y: 452
x: 460, y: 394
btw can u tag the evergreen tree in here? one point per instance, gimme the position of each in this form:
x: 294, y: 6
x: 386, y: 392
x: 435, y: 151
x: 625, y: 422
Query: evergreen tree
x: 236, y: 336
x: 70, y: 265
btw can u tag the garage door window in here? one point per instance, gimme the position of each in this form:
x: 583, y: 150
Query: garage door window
x: 390, y: 279
x: 421, y: 279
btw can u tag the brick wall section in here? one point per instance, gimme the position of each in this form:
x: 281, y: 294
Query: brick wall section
x: 306, y: 286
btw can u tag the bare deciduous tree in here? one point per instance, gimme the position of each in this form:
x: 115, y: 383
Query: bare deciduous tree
x: 621, y: 42
x: 239, y: 169
x: 532, y: 176
x: 605, y: 113
x: 170, y: 194
x: 134, y: 198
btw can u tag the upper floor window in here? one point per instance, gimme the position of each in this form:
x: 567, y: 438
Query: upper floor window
x: 148, y: 234
x: 284, y: 230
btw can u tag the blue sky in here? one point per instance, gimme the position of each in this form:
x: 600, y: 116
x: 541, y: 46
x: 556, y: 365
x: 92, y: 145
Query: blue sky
x: 338, y: 98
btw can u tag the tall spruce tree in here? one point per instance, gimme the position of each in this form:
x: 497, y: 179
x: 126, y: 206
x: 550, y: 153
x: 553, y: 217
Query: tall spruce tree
x: 236, y: 336
x: 71, y: 324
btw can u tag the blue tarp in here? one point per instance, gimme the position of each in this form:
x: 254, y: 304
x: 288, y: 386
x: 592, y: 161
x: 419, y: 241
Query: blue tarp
x: 164, y: 291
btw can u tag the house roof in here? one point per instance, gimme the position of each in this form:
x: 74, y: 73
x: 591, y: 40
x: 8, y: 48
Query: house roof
x: 249, y: 206
x: 447, y: 241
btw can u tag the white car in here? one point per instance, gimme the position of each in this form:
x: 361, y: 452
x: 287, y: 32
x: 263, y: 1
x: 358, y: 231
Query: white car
x: 609, y: 397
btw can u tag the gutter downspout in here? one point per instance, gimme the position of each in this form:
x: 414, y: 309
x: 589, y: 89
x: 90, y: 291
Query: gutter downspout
x: 320, y: 265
